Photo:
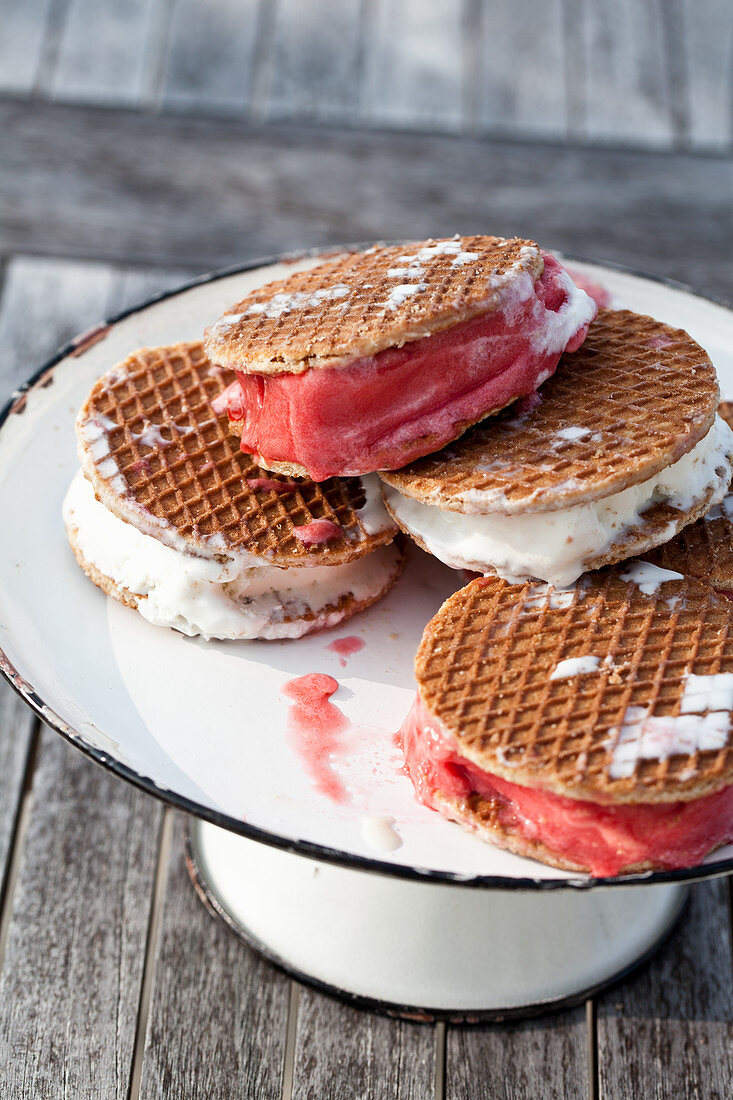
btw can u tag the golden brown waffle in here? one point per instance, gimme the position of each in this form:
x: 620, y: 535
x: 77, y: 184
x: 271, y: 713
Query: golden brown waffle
x: 364, y: 302
x: 329, y: 616
x: 160, y: 458
x: 704, y: 549
x: 635, y: 398
x: 484, y: 664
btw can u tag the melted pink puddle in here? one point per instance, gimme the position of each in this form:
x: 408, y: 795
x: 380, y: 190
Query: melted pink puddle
x: 315, y: 724
x: 346, y: 647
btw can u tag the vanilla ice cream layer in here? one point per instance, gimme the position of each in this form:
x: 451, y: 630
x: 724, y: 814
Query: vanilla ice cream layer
x: 202, y: 596
x: 554, y: 546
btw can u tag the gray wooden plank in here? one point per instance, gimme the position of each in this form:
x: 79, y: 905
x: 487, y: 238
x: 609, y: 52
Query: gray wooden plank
x: 707, y: 39
x: 523, y: 86
x: 218, y: 1014
x: 667, y: 1031
x: 16, y: 728
x: 46, y: 302
x: 102, y: 52
x: 316, y: 59
x: 627, y: 82
x: 342, y: 1053
x: 546, y: 1057
x: 23, y: 30
x: 72, y: 972
x: 413, y: 63
x: 211, y: 55
x: 179, y: 190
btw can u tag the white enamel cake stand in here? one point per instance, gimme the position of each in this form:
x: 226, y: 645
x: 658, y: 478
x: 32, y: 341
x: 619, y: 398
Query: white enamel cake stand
x: 443, y: 923
x: 426, y: 949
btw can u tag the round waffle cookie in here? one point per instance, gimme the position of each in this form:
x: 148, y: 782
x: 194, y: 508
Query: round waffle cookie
x: 704, y: 549
x: 619, y: 452
x: 485, y: 660
x: 617, y: 693
x: 420, y: 342
x: 159, y: 457
x: 633, y: 399
x: 364, y: 302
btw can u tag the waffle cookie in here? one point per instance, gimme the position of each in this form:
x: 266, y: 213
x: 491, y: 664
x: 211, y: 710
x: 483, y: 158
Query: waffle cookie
x: 705, y: 548
x: 375, y: 358
x: 588, y: 728
x: 620, y: 451
x: 171, y: 517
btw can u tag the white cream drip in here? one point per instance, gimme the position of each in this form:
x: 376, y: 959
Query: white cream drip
x: 380, y: 833
x: 575, y: 666
x: 399, y: 294
x: 648, y: 577
x: 554, y: 546
x: 372, y: 515
x: 203, y: 596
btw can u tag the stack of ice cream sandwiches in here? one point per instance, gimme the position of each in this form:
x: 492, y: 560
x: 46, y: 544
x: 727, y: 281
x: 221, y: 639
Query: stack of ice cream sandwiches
x: 574, y: 701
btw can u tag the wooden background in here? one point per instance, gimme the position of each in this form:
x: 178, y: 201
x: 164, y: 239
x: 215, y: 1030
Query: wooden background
x: 147, y: 140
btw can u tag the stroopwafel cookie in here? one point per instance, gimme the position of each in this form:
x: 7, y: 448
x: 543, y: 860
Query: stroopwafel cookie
x: 619, y: 452
x: 372, y: 359
x: 171, y: 517
x: 588, y: 728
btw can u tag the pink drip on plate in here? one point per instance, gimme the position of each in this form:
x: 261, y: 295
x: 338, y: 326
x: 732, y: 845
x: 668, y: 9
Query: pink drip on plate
x: 316, y: 724
x: 346, y: 647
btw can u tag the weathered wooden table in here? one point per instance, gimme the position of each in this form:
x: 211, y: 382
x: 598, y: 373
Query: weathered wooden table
x: 114, y: 980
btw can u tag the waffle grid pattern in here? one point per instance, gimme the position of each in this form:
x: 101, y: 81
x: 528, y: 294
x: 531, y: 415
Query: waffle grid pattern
x: 179, y: 463
x: 637, y: 395
x: 704, y: 549
x: 484, y: 664
x: 364, y: 302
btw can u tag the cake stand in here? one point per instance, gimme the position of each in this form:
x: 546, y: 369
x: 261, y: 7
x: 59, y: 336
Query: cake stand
x: 372, y: 895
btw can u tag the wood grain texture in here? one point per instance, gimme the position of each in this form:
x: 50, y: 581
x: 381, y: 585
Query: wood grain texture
x: 218, y: 1014
x: 628, y: 89
x: 70, y: 983
x: 413, y: 55
x: 211, y: 55
x: 103, y: 52
x: 667, y: 1031
x: 23, y: 30
x: 316, y: 59
x: 547, y: 1058
x: 706, y: 34
x: 342, y: 1053
x: 16, y: 726
x: 177, y: 190
x: 45, y: 303
x: 523, y: 89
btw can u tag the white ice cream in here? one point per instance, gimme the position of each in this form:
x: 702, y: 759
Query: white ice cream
x: 202, y: 596
x: 554, y: 546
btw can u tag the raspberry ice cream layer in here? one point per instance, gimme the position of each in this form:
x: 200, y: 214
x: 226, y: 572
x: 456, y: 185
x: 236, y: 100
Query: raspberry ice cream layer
x: 382, y: 411
x: 603, y: 839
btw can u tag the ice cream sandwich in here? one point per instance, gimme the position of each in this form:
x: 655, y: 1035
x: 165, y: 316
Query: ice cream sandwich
x: 169, y: 516
x: 620, y: 450
x: 589, y: 728
x: 375, y: 358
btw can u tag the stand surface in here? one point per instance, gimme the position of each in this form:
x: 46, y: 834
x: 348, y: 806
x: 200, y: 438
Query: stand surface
x: 424, y: 947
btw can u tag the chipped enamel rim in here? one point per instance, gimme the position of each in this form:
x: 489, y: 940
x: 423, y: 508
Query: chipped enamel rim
x: 80, y: 344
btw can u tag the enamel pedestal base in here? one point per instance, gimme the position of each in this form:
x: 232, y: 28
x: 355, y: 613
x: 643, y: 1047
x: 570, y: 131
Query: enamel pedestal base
x: 427, y: 949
